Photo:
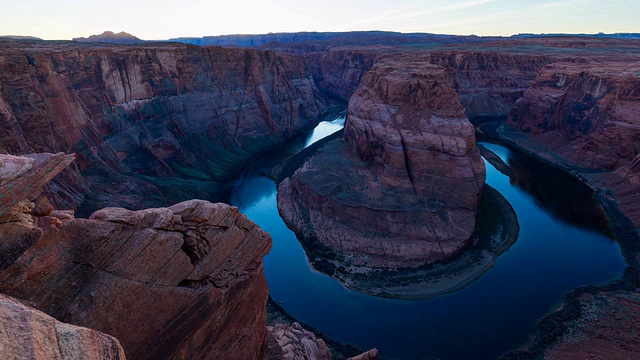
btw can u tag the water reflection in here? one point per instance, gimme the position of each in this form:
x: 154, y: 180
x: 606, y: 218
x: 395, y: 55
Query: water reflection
x: 559, y: 193
x: 496, y: 313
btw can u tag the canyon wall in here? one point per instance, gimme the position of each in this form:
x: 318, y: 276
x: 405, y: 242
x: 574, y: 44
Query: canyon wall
x: 181, y: 282
x: 402, y: 187
x: 587, y: 115
x: 488, y: 83
x: 150, y: 125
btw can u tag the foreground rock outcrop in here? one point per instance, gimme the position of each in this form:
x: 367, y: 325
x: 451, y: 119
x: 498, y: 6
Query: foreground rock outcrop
x: 402, y: 188
x: 181, y: 282
x: 150, y: 125
x: 26, y: 333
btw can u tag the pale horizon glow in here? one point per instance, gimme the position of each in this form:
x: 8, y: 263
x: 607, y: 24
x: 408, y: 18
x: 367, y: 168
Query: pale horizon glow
x: 163, y: 19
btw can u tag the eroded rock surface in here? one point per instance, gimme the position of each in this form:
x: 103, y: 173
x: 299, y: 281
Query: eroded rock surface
x: 488, y: 82
x: 183, y: 282
x: 401, y: 189
x: 295, y: 343
x: 150, y: 125
x: 26, y: 333
x: 587, y: 116
x: 24, y: 177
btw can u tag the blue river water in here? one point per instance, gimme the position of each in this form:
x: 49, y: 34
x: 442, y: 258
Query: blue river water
x: 494, y: 314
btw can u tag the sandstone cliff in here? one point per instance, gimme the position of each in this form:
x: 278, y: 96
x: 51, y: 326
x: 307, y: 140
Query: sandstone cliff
x: 180, y: 282
x: 339, y: 72
x: 295, y: 343
x: 26, y: 333
x: 401, y: 189
x: 488, y: 82
x: 587, y: 116
x: 150, y: 125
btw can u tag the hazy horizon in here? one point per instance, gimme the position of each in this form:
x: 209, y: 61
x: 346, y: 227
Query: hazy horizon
x: 161, y: 19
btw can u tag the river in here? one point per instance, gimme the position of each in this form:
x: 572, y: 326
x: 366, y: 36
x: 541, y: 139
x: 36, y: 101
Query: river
x: 556, y: 251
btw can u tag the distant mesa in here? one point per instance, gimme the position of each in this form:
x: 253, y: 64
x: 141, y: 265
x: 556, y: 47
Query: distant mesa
x: 112, y: 38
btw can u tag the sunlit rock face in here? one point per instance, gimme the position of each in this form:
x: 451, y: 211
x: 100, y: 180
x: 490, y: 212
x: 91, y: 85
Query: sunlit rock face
x: 402, y: 187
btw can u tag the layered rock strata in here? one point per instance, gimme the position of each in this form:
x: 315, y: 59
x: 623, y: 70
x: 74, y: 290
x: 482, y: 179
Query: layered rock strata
x: 488, y: 82
x: 295, y: 343
x: 401, y: 189
x: 181, y: 282
x: 150, y: 125
x: 587, y: 117
x: 26, y: 333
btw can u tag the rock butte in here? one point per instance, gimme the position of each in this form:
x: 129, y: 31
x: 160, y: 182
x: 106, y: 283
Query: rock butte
x: 401, y: 189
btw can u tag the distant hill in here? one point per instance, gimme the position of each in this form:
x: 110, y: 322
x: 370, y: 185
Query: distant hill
x: 19, y: 37
x: 111, y: 38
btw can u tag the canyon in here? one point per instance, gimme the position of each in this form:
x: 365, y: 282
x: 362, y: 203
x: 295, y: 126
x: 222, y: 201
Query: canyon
x: 145, y: 121
x: 155, y: 125
x: 401, y: 188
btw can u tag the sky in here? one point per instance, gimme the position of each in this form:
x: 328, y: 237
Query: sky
x: 164, y: 19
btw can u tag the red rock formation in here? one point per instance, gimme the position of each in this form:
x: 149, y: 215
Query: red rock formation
x: 181, y: 282
x: 402, y: 189
x: 587, y: 112
x: 23, y: 177
x: 488, y: 82
x: 295, y: 343
x: 369, y: 355
x: 339, y: 72
x: 26, y: 333
x: 608, y: 328
x: 587, y: 115
x: 152, y: 124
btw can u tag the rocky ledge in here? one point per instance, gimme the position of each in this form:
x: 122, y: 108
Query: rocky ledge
x: 31, y: 334
x: 401, y: 189
x: 180, y: 282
